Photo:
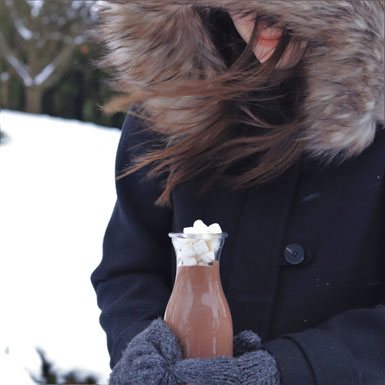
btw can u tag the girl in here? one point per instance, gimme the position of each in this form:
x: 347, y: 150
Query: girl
x: 268, y: 118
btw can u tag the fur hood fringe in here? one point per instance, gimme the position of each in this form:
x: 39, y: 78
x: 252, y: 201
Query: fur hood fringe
x: 149, y: 40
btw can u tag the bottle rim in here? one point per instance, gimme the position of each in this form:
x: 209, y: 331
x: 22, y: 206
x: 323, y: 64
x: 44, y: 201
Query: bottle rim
x: 199, y: 235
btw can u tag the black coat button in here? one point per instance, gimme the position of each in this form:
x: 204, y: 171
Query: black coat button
x: 294, y: 254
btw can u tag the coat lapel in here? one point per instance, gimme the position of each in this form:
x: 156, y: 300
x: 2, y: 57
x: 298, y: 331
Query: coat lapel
x: 253, y: 269
x: 255, y: 221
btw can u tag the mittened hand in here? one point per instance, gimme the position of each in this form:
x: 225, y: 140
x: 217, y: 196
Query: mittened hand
x: 154, y: 357
x: 250, y: 365
x: 149, y: 358
x: 245, y: 341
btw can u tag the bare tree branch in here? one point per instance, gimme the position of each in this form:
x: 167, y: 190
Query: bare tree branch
x: 19, y: 67
x: 61, y: 64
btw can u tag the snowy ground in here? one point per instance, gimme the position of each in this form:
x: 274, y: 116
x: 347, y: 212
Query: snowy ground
x: 57, y: 194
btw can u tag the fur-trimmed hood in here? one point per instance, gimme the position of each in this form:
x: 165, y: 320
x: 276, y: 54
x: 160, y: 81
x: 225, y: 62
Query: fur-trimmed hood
x: 343, y: 66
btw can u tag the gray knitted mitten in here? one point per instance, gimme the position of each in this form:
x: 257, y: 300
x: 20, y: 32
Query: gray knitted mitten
x: 244, y: 342
x: 250, y: 365
x: 149, y: 358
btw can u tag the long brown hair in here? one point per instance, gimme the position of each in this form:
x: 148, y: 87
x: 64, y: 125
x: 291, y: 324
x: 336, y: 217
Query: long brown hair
x: 213, y: 125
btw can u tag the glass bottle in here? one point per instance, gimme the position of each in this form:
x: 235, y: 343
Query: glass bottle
x: 197, y: 311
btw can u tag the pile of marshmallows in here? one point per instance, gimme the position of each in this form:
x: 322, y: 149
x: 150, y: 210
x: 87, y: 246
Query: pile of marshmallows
x: 201, y: 250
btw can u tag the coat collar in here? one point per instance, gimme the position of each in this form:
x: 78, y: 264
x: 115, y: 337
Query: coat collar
x: 343, y: 67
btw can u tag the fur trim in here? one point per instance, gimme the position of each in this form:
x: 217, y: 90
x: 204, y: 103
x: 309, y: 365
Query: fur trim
x: 150, y: 40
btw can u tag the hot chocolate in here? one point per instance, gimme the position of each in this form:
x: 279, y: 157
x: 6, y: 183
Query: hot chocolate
x: 198, y: 312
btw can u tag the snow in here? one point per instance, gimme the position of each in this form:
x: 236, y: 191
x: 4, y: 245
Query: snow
x: 36, y: 6
x: 79, y: 40
x: 4, y: 76
x: 23, y: 31
x: 45, y: 73
x: 57, y: 195
x: 18, y: 364
x: 20, y: 68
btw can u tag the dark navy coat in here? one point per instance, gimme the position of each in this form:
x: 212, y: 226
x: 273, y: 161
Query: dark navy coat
x: 303, y: 265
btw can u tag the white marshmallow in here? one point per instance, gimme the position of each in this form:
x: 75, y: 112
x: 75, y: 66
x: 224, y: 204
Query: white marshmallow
x: 213, y: 244
x: 190, y: 230
x: 187, y: 252
x: 207, y: 257
x: 191, y: 261
x: 199, y: 224
x: 200, y: 247
x: 193, y: 251
x: 215, y: 228
x: 182, y: 242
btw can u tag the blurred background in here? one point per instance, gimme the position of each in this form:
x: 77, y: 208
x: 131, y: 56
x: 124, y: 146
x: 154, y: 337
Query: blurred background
x: 57, y: 154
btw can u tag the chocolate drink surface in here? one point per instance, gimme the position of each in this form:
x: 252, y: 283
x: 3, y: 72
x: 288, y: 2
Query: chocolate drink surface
x: 198, y: 312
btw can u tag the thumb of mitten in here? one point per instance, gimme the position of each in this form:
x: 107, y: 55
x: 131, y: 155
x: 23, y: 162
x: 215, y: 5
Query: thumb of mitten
x: 148, y: 358
x: 246, y: 341
x: 164, y: 340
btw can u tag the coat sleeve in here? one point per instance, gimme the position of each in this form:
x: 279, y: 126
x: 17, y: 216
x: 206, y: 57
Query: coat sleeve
x: 347, y: 349
x: 132, y: 281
